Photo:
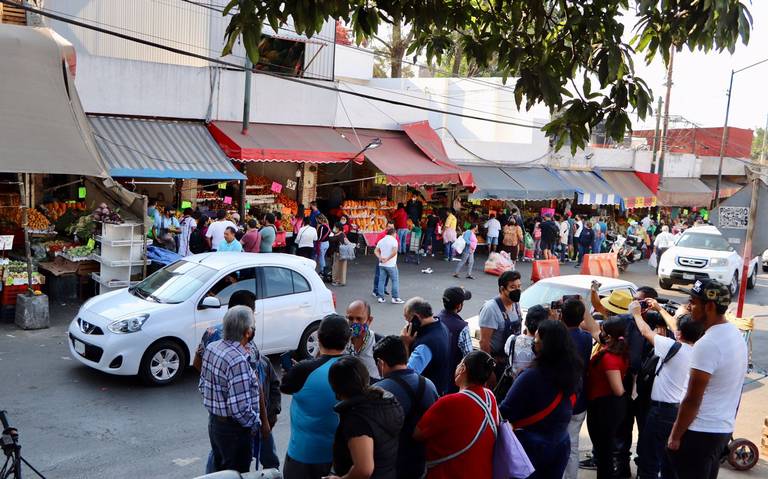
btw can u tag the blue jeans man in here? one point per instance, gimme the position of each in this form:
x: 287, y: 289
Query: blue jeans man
x: 653, y: 442
x: 402, y: 235
x: 389, y: 272
x: 376, y: 291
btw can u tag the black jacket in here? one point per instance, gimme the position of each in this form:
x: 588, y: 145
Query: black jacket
x: 378, y: 415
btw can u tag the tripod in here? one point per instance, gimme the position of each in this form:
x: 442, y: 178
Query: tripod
x: 9, y: 441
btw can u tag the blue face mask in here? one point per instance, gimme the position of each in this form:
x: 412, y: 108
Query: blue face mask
x: 358, y: 330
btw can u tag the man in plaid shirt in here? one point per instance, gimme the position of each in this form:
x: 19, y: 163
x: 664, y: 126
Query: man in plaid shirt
x: 230, y: 392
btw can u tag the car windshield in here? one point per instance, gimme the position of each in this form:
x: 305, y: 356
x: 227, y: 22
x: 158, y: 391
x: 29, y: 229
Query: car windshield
x: 175, y: 283
x: 544, y: 293
x: 704, y: 241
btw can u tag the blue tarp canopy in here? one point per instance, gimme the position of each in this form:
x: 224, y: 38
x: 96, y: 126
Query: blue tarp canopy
x: 517, y: 183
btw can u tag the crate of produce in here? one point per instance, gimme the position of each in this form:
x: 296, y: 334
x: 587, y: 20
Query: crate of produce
x: 11, y: 292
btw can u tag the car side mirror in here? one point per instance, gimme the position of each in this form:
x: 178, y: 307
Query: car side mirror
x: 210, y: 302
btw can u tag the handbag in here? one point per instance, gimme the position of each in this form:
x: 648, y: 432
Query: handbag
x: 347, y: 251
x: 459, y: 244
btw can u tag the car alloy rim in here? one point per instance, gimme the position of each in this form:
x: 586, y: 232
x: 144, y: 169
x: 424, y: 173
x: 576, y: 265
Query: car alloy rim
x: 164, y: 364
x: 312, y: 345
x: 734, y: 285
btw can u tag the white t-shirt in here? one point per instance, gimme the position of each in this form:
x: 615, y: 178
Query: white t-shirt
x: 388, y: 246
x: 306, y: 237
x: 579, y: 227
x: 216, y: 232
x: 494, y: 227
x: 722, y: 353
x: 565, y: 228
x: 664, y: 240
x: 672, y: 382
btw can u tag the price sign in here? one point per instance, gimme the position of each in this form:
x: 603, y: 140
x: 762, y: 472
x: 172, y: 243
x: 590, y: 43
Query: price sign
x: 82, y: 192
x: 380, y: 179
x: 90, y: 244
x: 223, y: 186
x: 6, y: 242
x: 185, y: 205
x: 290, y: 184
x: 227, y: 200
x: 276, y: 187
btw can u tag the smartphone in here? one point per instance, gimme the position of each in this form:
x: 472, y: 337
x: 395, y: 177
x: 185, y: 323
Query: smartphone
x: 415, y: 325
x: 557, y: 304
x: 286, y: 360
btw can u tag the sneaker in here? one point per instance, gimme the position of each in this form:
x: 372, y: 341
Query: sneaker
x: 374, y: 294
x: 469, y: 276
x: 589, y: 464
x: 455, y: 259
x: 455, y: 275
x: 397, y: 301
x: 381, y: 300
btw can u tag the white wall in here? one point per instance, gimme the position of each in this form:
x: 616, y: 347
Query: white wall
x: 353, y: 64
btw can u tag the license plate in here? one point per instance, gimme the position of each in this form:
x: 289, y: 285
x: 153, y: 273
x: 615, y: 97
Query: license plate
x: 79, y: 347
x: 689, y: 276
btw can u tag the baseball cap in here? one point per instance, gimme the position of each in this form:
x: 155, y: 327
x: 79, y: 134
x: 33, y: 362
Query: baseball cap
x: 711, y: 290
x: 456, y: 295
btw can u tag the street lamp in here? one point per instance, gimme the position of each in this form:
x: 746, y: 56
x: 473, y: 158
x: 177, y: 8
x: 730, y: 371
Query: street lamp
x: 725, y: 130
x: 375, y: 143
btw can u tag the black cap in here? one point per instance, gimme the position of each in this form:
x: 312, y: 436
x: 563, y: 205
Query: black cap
x: 456, y: 295
x: 711, y: 290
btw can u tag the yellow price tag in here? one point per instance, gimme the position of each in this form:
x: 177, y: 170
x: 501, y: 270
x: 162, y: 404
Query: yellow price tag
x: 223, y: 186
x: 380, y: 179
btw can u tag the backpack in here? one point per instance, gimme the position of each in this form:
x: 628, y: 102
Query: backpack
x: 197, y: 242
x: 648, y: 371
x: 504, y: 383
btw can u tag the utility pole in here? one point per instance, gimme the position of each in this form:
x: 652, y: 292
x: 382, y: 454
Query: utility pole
x: 723, y: 142
x: 664, y: 146
x: 656, y: 137
x: 246, y: 122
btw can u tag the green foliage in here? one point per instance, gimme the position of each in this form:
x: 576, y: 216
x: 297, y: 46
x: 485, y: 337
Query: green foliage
x: 757, y: 144
x: 543, y: 44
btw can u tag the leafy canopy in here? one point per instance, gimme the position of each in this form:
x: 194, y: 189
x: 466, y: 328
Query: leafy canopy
x: 544, y: 44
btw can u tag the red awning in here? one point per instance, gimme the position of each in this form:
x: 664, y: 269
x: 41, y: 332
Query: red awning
x: 402, y: 161
x: 294, y: 143
x: 423, y: 136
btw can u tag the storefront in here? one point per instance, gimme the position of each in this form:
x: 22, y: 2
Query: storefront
x: 684, y: 192
x: 633, y: 192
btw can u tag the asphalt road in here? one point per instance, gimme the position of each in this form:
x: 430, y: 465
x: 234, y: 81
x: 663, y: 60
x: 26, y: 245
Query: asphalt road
x: 78, y: 423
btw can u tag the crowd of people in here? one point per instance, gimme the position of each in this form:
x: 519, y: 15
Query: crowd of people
x: 425, y: 403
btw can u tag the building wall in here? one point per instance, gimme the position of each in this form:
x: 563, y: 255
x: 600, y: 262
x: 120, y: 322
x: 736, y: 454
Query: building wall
x: 737, y: 236
x: 353, y: 64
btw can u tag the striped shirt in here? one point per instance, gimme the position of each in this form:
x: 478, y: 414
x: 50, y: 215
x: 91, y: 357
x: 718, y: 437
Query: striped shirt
x: 229, y: 385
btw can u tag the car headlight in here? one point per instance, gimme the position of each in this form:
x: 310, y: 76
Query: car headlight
x: 718, y: 262
x: 128, y: 325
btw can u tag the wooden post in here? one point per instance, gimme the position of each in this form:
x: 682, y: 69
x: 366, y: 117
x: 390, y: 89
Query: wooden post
x: 748, y: 243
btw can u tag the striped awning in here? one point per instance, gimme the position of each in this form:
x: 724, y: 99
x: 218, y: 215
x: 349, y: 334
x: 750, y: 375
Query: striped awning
x: 633, y: 191
x: 590, y: 188
x: 139, y: 148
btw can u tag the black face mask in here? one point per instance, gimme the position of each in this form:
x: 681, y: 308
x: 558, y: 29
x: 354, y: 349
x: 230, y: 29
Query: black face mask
x: 514, y: 295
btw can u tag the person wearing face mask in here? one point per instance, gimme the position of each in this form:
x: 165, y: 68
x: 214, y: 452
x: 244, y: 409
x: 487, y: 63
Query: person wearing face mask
x: 459, y: 337
x: 362, y: 339
x: 426, y: 338
x: 230, y: 390
x: 500, y: 318
x: 540, y: 402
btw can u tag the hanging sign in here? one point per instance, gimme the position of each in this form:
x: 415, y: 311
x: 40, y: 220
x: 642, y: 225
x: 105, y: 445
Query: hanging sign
x: 223, y: 185
x: 547, y: 211
x: 227, y: 200
x: 475, y: 202
x: 6, y: 242
x: 82, y: 192
x: 380, y: 179
x: 290, y: 184
x: 185, y: 205
x: 276, y: 187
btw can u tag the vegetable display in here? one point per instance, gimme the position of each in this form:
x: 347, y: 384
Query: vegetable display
x: 104, y: 214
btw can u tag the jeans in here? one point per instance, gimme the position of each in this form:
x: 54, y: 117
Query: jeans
x: 574, y: 428
x: 563, y: 252
x: 448, y: 250
x: 321, y: 256
x: 604, y: 415
x: 294, y: 469
x: 466, y: 257
x: 597, y: 247
x: 636, y: 409
x: 547, y: 452
x: 268, y: 453
x: 699, y: 454
x: 658, y: 425
x: 583, y: 249
x: 429, y: 241
x: 389, y: 272
x: 231, y: 444
x: 376, y: 276
x: 402, y: 235
x: 258, y: 447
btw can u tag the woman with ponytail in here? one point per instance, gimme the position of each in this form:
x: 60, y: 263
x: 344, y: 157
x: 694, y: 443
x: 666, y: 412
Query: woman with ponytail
x: 605, y: 393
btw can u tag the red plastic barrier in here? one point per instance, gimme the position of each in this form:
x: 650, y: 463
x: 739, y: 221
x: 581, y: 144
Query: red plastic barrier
x: 545, y: 268
x: 603, y: 264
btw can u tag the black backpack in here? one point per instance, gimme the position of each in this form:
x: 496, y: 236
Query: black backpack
x: 648, y: 371
x: 197, y: 243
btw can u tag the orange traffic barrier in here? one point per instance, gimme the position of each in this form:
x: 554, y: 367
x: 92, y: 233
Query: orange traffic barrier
x: 545, y: 268
x: 603, y: 264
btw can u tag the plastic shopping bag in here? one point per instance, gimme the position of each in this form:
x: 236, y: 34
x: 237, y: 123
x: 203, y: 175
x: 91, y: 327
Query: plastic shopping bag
x: 459, y: 244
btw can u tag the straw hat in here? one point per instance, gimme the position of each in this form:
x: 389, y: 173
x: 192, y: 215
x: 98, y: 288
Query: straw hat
x: 617, y: 302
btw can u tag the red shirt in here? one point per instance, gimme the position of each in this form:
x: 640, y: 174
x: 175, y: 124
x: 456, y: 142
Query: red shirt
x: 449, y: 426
x: 400, y: 218
x: 597, y: 380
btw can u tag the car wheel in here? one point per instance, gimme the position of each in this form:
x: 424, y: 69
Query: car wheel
x: 665, y: 283
x: 752, y: 280
x: 309, y: 345
x: 734, y: 286
x: 163, y: 363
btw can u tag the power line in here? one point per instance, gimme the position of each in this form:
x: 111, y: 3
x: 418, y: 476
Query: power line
x: 259, y: 72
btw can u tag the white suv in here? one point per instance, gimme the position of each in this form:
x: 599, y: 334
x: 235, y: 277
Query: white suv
x: 153, y: 329
x: 702, y: 252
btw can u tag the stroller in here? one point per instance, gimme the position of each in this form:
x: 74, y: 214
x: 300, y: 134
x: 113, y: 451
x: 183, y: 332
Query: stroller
x: 412, y: 254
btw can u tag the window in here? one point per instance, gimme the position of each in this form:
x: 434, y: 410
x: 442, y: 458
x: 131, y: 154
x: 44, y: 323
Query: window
x: 175, y: 283
x: 704, y: 241
x: 283, y: 281
x: 243, y: 279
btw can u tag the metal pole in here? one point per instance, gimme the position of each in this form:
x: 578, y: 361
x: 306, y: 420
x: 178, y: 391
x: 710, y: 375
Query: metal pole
x: 656, y: 137
x: 664, y: 146
x: 247, y: 95
x: 723, y: 142
x: 24, y: 187
x: 748, y: 243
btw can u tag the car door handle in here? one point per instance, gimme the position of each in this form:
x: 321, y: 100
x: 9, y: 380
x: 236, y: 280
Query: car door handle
x: 305, y: 305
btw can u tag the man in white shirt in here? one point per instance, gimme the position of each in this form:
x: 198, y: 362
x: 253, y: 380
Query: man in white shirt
x: 663, y: 242
x: 216, y: 229
x: 494, y: 227
x: 386, y: 252
x: 672, y: 372
x: 708, y: 412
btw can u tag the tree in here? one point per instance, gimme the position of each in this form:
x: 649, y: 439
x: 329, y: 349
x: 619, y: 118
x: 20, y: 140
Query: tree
x: 757, y: 144
x: 544, y: 44
x: 391, y: 52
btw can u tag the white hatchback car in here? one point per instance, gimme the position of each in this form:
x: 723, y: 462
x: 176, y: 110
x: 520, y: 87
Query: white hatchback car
x: 547, y: 290
x: 153, y: 329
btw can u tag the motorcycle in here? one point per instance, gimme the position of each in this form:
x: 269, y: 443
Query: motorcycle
x: 628, y: 249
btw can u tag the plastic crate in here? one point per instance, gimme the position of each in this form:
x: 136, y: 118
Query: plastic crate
x: 11, y: 292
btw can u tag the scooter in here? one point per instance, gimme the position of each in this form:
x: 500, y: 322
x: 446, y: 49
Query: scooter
x: 627, y: 250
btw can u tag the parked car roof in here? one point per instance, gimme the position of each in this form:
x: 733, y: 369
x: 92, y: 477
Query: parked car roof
x: 220, y: 260
x: 585, y: 281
